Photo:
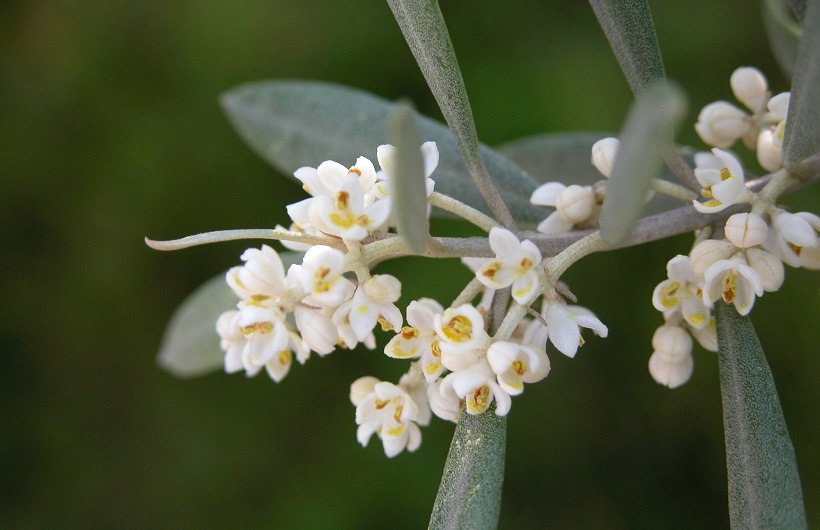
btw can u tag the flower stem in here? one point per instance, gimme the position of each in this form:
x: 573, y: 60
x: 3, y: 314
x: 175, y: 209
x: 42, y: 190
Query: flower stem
x: 253, y: 233
x: 468, y: 213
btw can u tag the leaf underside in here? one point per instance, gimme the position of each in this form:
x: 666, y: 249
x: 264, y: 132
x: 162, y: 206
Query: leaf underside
x: 303, y: 123
x: 764, y: 485
x: 802, y: 136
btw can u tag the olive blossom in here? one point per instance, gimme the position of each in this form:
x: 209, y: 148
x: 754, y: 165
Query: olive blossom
x: 681, y: 293
x: 418, y: 340
x: 721, y: 176
x: 515, y: 265
x: 573, y: 205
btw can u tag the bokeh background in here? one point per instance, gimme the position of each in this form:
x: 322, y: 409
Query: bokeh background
x: 110, y: 131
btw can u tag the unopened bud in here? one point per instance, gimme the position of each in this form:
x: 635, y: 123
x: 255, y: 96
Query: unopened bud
x: 708, y: 252
x: 575, y: 203
x: 767, y: 266
x: 746, y: 230
x: 603, y: 155
x: 361, y: 388
x: 750, y: 87
x: 383, y: 288
x: 720, y: 124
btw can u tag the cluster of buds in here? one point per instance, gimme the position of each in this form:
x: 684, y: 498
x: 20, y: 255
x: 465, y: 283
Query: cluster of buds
x: 330, y: 300
x: 749, y: 260
x: 721, y: 124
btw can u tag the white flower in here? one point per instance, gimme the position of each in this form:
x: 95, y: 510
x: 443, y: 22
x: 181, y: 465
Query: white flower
x: 474, y: 264
x: 461, y: 335
x: 767, y: 266
x: 604, y: 152
x: 733, y: 280
x: 386, y: 155
x: 389, y: 412
x: 477, y: 386
x: 720, y: 124
x: 316, y: 326
x: 419, y: 340
x: 321, y: 275
x: 345, y: 214
x: 794, y: 238
x: 371, y: 303
x: 514, y: 265
x: 261, y: 278
x: 231, y: 340
x: 445, y: 406
x: 564, y: 323
x: 681, y: 292
x: 750, y: 87
x: 745, y: 230
x: 573, y: 205
x: 671, y: 363
x: 722, y: 179
x: 516, y: 364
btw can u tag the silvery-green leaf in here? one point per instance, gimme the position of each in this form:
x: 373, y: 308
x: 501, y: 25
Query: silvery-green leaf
x: 646, y: 136
x: 303, y: 123
x: 802, y: 138
x: 190, y: 345
x: 631, y: 33
x: 409, y: 192
x: 764, y: 485
x: 470, y: 492
x: 799, y: 8
x: 783, y: 33
x: 426, y: 33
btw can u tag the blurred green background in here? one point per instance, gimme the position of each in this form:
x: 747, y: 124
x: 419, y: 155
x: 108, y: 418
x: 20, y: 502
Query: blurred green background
x: 110, y: 131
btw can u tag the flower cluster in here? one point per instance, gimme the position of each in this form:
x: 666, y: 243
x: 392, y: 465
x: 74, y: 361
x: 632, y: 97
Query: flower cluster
x: 748, y: 260
x: 721, y: 124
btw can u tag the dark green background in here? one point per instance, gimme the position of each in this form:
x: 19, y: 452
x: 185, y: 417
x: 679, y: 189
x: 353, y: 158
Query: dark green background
x: 110, y: 131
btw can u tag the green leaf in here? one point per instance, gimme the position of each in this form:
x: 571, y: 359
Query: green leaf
x: 424, y: 29
x: 631, y: 33
x: 802, y: 137
x: 798, y: 8
x: 764, y: 485
x: 646, y: 136
x: 409, y: 192
x: 783, y: 33
x: 190, y: 346
x: 470, y: 492
x: 303, y: 123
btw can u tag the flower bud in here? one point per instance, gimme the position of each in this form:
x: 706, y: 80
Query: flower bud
x: 769, y: 156
x: 708, y: 252
x: 361, y: 388
x: 768, y: 266
x: 383, y: 288
x: 750, y: 87
x: 746, y: 230
x: 575, y: 203
x: 673, y: 342
x: 603, y: 155
x: 670, y: 373
x: 779, y: 106
x: 720, y: 124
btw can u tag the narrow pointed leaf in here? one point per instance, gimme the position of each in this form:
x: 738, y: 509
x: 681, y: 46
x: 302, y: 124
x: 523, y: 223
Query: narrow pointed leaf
x: 631, y: 33
x: 646, y: 136
x: 783, y: 33
x: 470, y: 492
x: 764, y: 485
x: 303, y: 123
x: 409, y: 192
x: 424, y: 29
x: 802, y: 137
x: 190, y: 345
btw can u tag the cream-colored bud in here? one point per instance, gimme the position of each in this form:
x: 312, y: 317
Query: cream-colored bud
x: 810, y: 257
x: 575, y: 203
x: 673, y: 342
x: 708, y: 252
x: 746, y: 230
x: 604, y: 152
x: 720, y: 124
x: 670, y: 373
x: 767, y: 266
x: 383, y: 288
x: 361, y: 388
x: 750, y: 87
x: 769, y: 156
